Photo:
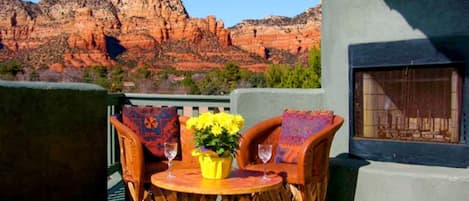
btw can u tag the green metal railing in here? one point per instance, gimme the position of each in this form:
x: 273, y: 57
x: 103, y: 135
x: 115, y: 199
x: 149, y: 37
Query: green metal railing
x: 187, y: 105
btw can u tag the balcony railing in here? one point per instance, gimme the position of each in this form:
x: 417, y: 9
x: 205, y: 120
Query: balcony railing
x: 187, y: 105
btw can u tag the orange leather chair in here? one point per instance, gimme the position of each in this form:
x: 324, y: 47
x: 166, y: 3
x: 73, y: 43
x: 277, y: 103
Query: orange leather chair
x: 308, y: 177
x: 136, y: 169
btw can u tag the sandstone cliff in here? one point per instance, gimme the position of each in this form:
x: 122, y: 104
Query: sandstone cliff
x: 94, y: 29
x: 295, y: 35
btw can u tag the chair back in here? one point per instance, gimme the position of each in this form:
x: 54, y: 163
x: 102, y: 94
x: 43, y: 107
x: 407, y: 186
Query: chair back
x: 187, y: 144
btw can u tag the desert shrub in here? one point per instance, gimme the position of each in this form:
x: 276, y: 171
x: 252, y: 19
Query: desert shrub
x: 11, y: 67
x: 117, y: 79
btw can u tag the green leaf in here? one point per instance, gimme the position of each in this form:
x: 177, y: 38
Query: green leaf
x: 220, y: 151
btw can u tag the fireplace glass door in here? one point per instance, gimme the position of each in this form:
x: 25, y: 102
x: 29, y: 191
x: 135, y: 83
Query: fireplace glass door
x: 408, y: 103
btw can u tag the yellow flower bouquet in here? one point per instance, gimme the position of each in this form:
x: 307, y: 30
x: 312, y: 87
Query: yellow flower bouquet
x: 216, y: 133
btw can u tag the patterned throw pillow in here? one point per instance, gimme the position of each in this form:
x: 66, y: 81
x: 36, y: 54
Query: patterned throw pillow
x: 297, y: 126
x: 154, y: 125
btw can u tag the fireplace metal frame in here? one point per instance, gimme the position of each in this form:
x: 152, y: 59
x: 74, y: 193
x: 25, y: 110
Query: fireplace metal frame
x: 408, y: 53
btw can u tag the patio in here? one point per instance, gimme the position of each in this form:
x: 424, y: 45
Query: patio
x: 81, y: 159
x: 350, y: 178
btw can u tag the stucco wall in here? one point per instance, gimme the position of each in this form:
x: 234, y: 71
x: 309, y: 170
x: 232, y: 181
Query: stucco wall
x: 347, y: 22
x: 260, y: 104
x: 52, y: 141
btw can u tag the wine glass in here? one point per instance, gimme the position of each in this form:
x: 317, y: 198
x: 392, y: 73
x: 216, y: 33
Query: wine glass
x: 265, y: 152
x: 170, y: 151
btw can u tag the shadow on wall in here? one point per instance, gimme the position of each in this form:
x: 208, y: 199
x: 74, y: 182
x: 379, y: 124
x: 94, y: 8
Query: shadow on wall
x: 343, y: 175
x: 445, y: 23
x: 113, y: 46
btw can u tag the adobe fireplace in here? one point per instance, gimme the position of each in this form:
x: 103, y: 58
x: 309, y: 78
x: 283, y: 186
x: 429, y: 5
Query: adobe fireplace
x: 409, y: 103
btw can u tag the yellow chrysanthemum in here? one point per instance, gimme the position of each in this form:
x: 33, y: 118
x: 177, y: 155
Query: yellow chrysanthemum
x: 199, y: 125
x: 239, y: 120
x: 216, y: 129
x: 206, y: 120
x: 191, y: 122
x: 233, y: 129
x: 224, y: 120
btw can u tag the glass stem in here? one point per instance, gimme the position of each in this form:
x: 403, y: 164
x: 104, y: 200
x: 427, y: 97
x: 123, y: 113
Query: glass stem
x: 265, y: 174
x: 169, y: 167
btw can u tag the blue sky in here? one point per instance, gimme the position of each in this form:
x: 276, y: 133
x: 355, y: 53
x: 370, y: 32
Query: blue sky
x: 234, y: 11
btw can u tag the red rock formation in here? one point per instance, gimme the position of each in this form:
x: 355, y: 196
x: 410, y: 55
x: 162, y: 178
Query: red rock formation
x: 130, y: 41
x: 92, y: 58
x: 15, y: 25
x: 88, y: 35
x: 76, y: 33
x: 295, y: 35
x: 57, y: 67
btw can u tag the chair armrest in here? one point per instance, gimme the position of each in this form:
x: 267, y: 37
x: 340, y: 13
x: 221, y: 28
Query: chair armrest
x: 131, y: 152
x: 262, y: 130
x: 313, y: 159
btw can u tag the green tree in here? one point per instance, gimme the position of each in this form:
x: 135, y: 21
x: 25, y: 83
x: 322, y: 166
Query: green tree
x: 314, y: 62
x: 283, y: 76
x: 143, y: 73
x: 232, y: 72
x: 86, y: 76
x: 11, y: 67
x: 274, y: 73
x: 213, y: 83
x: 245, y: 74
x: 97, y: 75
x: 99, y: 71
x: 300, y: 77
x: 117, y: 79
x: 257, y: 80
x: 102, y: 81
x: 291, y: 78
x: 189, y: 83
x: 231, y: 76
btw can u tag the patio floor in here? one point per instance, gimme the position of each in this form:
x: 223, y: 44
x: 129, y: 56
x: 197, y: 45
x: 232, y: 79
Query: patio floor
x: 117, y: 192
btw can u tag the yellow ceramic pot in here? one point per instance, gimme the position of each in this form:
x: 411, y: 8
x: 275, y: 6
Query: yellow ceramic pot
x: 214, y: 167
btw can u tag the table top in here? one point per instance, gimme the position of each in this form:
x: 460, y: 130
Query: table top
x: 239, y: 182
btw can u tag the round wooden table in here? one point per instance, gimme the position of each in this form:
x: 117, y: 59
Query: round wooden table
x: 188, y: 184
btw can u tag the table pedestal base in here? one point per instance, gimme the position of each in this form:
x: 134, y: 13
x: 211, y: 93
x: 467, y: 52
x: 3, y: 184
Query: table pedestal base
x: 281, y: 194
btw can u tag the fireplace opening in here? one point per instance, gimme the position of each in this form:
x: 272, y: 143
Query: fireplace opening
x: 418, y: 103
x: 409, y: 101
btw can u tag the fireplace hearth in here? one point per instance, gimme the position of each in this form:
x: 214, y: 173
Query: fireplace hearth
x: 409, y: 103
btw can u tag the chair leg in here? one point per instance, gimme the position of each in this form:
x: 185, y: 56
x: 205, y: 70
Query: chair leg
x: 148, y: 195
x: 323, y: 189
x: 295, y: 193
x: 127, y: 196
x: 308, y: 192
x: 133, y: 193
x: 314, y: 192
x: 285, y: 193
